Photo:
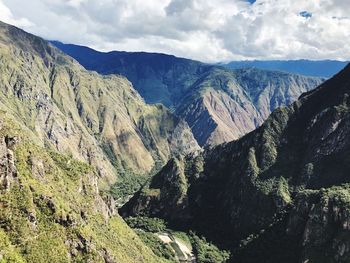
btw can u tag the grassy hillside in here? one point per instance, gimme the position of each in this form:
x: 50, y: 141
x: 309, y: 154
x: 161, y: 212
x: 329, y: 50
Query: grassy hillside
x: 100, y: 120
x: 52, y: 210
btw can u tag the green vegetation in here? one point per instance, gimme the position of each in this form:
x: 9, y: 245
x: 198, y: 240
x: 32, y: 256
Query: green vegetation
x: 127, y: 186
x: 146, y: 228
x: 339, y: 195
x: 53, y: 212
x: 207, y: 252
x: 8, y: 253
x: 70, y: 166
x: 185, y: 237
x: 128, y: 182
x: 153, y: 225
x: 158, y: 247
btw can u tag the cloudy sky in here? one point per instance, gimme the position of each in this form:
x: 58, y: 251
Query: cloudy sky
x: 207, y: 30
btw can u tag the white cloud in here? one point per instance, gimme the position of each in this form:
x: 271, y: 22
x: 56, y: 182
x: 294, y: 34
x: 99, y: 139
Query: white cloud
x: 7, y: 17
x: 208, y: 30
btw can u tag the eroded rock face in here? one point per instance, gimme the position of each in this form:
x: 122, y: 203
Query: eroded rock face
x: 225, y: 105
x: 8, y: 171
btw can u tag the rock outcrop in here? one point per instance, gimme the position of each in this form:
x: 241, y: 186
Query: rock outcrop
x: 8, y: 172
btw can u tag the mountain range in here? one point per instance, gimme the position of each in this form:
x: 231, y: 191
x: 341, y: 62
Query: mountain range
x: 101, y: 120
x: 279, y: 194
x: 214, y: 172
x: 316, y: 68
x: 219, y: 104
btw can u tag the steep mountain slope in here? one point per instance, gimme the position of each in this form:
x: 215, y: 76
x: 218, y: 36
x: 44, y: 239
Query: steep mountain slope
x: 159, y: 78
x: 51, y: 209
x: 219, y: 104
x: 224, y: 105
x: 316, y: 68
x: 101, y: 120
x: 279, y: 194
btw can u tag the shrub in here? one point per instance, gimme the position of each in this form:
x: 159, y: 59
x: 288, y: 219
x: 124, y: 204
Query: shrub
x: 148, y: 224
x: 206, y: 252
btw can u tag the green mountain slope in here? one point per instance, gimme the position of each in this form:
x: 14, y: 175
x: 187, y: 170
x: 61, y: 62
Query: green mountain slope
x: 52, y: 209
x: 159, y: 78
x: 279, y: 194
x: 66, y: 134
x: 101, y: 120
x: 220, y: 105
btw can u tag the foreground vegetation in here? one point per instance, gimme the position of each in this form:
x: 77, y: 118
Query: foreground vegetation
x: 147, y: 228
x: 52, y: 210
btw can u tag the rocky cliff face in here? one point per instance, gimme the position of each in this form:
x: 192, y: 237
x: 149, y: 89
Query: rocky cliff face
x: 8, y: 172
x: 101, y: 120
x: 220, y: 105
x: 280, y: 194
x: 321, y: 218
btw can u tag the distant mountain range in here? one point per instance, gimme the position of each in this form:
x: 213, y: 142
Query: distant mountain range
x: 219, y: 104
x: 316, y: 68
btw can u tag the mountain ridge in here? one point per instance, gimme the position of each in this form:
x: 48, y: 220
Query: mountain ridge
x: 100, y: 119
x: 66, y: 136
x: 280, y: 193
x: 316, y: 68
x: 206, y: 96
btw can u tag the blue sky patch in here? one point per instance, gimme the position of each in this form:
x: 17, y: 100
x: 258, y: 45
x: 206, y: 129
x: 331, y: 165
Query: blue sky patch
x: 305, y: 14
x: 251, y: 1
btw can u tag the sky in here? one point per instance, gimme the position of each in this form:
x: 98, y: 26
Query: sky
x: 206, y: 30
